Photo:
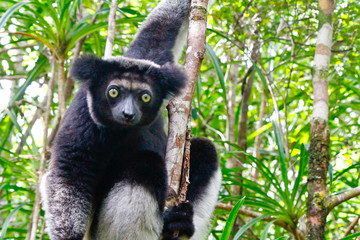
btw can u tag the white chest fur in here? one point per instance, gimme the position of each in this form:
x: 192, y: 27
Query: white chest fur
x: 129, y: 212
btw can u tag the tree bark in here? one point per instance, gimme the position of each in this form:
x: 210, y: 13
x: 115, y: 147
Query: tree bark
x: 111, y: 29
x: 179, y: 108
x: 61, y: 88
x: 320, y: 135
x: 232, y: 74
x: 257, y: 142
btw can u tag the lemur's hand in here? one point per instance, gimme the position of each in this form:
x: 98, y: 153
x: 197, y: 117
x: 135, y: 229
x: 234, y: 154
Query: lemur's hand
x: 178, y: 219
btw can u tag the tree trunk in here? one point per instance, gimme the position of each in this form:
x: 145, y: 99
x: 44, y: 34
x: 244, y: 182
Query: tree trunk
x: 61, y: 88
x: 320, y: 135
x: 232, y: 162
x: 180, y: 107
x: 111, y: 29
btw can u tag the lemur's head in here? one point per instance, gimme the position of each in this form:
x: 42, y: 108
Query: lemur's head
x: 124, y: 91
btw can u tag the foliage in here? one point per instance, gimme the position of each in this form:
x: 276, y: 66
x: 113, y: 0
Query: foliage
x: 273, y: 184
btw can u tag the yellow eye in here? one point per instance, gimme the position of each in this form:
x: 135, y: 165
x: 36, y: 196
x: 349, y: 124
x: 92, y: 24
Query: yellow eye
x: 113, y: 93
x: 146, y: 98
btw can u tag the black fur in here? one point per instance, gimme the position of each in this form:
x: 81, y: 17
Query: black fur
x: 93, y: 151
x: 158, y: 37
x: 179, y: 218
x: 204, y: 163
x: 169, y: 78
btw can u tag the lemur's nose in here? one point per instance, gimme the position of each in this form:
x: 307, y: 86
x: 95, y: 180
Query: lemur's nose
x: 128, y: 116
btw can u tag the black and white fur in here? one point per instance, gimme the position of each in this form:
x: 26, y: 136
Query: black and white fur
x: 107, y: 179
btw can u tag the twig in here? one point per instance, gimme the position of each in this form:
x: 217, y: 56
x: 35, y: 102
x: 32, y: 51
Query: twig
x: 18, y: 47
x: 111, y: 29
x: 13, y: 78
x: 276, y: 108
x: 36, y: 116
x: 221, y: 135
x: 352, y: 225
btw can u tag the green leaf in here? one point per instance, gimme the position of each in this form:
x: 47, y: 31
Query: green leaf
x: 257, y: 69
x: 282, y: 158
x: 40, y: 39
x: 8, y: 219
x: 10, y: 12
x: 283, y: 238
x: 34, y: 150
x: 248, y: 225
x: 22, y: 169
x: 216, y: 63
x: 231, y: 219
x: 259, y: 131
x: 33, y: 74
x: 266, y: 230
x: 352, y: 236
x: 304, y: 154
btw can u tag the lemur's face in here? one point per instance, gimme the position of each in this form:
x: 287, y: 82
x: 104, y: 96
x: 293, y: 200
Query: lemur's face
x: 124, y: 92
x: 132, y: 99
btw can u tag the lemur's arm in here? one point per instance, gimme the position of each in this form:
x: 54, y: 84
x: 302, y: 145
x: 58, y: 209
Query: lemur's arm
x: 162, y: 35
x: 68, y: 185
x: 193, y: 219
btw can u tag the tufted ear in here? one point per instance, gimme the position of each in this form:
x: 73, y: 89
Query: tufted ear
x: 87, y: 67
x: 172, y: 79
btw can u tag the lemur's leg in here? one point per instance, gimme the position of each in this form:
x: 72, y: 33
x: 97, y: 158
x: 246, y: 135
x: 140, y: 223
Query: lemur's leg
x: 67, y: 188
x: 193, y: 218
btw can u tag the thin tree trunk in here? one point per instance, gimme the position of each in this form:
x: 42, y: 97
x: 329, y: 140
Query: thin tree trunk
x: 111, y: 29
x: 179, y: 108
x: 243, y: 119
x: 232, y: 72
x: 36, y: 208
x: 232, y: 161
x: 61, y: 92
x: 259, y: 124
x: 257, y: 142
x: 320, y: 135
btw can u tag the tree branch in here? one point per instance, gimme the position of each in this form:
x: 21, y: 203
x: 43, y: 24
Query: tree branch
x: 13, y: 78
x: 338, y: 199
x: 352, y: 225
x: 18, y: 47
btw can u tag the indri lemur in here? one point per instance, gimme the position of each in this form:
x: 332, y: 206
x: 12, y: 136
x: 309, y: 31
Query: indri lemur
x: 107, y: 179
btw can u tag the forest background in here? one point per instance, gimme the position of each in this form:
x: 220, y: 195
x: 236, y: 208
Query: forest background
x: 253, y: 99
